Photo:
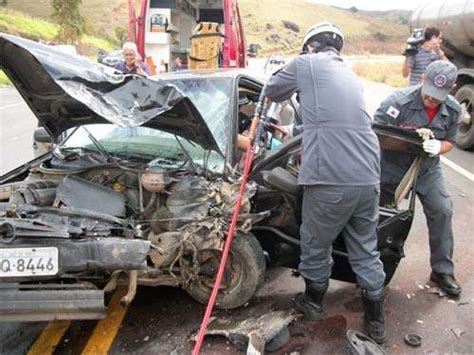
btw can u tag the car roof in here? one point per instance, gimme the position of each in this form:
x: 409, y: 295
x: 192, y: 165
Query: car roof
x: 230, y: 73
x: 221, y: 72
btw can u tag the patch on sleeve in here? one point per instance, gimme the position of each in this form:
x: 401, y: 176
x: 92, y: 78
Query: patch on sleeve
x: 393, y: 112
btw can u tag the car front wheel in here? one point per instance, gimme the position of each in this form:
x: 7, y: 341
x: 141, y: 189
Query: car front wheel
x: 244, y: 273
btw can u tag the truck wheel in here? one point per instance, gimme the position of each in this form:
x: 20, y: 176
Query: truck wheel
x: 466, y: 130
x: 244, y: 273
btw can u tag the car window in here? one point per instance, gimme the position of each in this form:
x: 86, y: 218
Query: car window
x: 283, y: 113
x: 143, y: 144
x: 213, y: 99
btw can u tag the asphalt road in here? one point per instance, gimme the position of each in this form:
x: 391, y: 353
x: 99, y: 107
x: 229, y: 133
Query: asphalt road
x: 17, y: 124
x: 161, y: 320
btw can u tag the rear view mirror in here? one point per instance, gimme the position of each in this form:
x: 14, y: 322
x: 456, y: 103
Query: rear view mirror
x: 41, y: 136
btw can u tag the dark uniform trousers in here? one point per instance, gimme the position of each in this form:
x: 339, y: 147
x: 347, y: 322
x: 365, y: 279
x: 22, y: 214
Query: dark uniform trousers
x: 350, y: 210
x: 438, y: 209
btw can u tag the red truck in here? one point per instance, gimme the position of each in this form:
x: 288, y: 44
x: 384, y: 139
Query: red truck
x: 164, y: 28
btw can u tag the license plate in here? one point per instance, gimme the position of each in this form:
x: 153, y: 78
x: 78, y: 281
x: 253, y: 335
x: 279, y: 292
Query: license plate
x: 29, y: 261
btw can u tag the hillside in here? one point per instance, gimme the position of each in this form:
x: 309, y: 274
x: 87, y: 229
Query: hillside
x: 401, y: 17
x: 101, y: 16
x: 366, y: 32
x: 19, y: 24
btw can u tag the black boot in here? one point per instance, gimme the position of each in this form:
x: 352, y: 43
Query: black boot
x: 311, y: 301
x: 447, y: 282
x: 373, y: 316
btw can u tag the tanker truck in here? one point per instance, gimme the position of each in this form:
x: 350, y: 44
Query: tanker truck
x: 455, y: 18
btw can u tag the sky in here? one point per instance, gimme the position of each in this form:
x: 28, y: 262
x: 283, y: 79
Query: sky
x: 374, y: 4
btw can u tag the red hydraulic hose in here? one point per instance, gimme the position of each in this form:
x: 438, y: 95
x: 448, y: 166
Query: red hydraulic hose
x: 225, y: 253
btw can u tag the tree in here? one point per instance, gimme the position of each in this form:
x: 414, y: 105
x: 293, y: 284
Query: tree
x: 121, y: 33
x: 71, y: 24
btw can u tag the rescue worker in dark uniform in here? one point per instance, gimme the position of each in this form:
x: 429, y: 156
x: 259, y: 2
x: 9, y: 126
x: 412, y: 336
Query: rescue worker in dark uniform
x: 427, y: 106
x: 340, y: 172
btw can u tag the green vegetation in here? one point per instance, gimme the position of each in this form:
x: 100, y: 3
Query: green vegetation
x: 101, y: 16
x: 68, y: 16
x: 18, y: 24
x: 4, y: 81
x: 387, y: 73
x: 98, y: 43
x: 366, y: 32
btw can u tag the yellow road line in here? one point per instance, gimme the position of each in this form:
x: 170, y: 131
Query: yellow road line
x: 105, y: 331
x: 49, y: 338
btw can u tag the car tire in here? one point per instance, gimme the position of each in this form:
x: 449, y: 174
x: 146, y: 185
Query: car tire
x: 465, y: 138
x: 247, y: 272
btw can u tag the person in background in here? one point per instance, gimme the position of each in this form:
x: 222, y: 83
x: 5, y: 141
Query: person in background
x: 430, y: 51
x: 427, y: 106
x: 180, y: 63
x: 163, y: 68
x: 132, y: 63
x: 340, y: 173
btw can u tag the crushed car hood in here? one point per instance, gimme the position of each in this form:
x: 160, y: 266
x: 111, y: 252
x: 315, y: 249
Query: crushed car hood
x: 65, y: 90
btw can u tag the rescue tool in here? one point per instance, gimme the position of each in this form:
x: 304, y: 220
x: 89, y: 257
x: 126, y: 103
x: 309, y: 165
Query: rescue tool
x: 254, y: 135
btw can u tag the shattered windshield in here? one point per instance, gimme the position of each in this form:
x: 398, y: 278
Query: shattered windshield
x: 144, y: 144
x: 213, y: 98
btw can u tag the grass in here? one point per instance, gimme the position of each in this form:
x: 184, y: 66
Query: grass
x: 387, y: 73
x: 101, y: 16
x: 364, y: 33
x: 4, y: 81
x: 263, y: 19
x: 19, y: 24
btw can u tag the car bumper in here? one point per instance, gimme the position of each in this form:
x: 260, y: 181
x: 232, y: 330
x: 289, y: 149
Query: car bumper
x: 75, y: 256
x: 35, y: 305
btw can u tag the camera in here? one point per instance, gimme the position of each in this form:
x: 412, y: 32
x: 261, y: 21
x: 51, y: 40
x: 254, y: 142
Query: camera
x: 413, y: 42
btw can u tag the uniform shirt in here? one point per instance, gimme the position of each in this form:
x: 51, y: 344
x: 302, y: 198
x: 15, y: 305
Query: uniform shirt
x: 339, y: 146
x: 404, y: 108
x: 418, y: 64
x: 122, y: 67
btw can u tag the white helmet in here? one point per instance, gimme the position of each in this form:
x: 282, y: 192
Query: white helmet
x: 322, y: 27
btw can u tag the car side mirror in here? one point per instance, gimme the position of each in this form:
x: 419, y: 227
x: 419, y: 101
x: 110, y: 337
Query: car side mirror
x: 42, y: 136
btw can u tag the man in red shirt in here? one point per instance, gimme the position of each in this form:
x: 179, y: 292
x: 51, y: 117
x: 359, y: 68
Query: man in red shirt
x: 431, y: 107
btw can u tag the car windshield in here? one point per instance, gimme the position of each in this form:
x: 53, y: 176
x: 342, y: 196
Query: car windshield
x: 213, y: 99
x: 159, y: 148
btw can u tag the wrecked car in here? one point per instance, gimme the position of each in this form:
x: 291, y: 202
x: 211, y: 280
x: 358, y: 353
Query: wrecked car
x: 140, y: 184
